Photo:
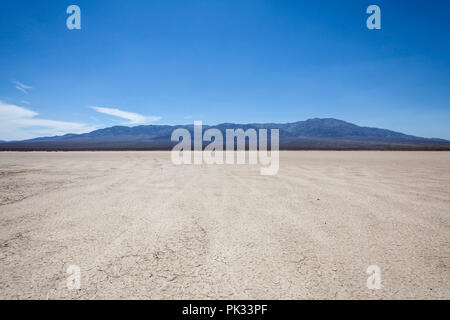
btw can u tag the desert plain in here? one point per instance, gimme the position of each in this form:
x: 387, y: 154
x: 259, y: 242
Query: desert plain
x: 140, y: 227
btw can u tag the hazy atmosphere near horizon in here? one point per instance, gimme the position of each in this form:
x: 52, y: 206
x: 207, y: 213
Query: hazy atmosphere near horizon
x: 234, y: 151
x: 173, y: 62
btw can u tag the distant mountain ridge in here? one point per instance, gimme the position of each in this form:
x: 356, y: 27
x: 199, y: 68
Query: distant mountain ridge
x: 315, y: 133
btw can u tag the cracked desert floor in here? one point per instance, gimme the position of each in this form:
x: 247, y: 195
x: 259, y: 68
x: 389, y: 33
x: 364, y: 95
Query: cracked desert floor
x: 140, y: 227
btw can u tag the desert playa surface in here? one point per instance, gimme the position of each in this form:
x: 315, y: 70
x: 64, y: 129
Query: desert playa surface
x: 139, y: 226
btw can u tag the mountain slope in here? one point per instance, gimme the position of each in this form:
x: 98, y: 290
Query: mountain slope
x: 310, y: 134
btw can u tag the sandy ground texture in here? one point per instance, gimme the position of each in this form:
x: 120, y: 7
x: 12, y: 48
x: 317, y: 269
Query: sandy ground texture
x: 140, y: 227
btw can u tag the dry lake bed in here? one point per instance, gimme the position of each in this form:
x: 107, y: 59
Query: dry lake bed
x: 138, y: 226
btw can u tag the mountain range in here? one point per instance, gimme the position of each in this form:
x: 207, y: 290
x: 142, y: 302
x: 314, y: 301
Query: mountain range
x: 321, y: 134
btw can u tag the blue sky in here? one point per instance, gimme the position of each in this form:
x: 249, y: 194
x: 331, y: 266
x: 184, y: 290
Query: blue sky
x: 172, y: 62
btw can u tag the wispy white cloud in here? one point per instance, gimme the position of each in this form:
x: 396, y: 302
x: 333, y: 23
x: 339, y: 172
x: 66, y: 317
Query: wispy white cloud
x: 22, y: 87
x: 13, y: 112
x: 131, y: 117
x: 20, y: 123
